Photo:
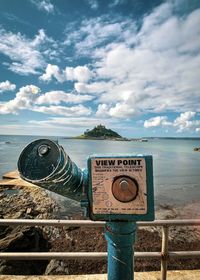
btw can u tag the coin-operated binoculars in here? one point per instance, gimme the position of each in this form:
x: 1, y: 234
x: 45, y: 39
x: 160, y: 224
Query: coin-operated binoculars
x: 115, y: 189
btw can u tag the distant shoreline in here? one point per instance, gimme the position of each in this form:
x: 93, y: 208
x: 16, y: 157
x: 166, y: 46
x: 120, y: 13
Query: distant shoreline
x: 142, y: 139
x: 128, y: 139
x: 107, y: 138
x: 74, y: 137
x: 97, y: 138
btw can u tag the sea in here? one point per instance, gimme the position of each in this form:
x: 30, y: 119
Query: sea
x: 176, y: 166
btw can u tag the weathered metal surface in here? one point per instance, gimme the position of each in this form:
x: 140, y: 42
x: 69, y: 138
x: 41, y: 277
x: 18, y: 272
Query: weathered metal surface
x: 120, y: 237
x: 44, y: 163
x: 164, y: 252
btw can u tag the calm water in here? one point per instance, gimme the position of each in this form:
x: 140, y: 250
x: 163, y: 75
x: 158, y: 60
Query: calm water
x: 176, y: 165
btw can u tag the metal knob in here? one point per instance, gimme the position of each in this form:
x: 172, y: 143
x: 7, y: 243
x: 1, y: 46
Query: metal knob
x: 43, y: 150
x: 125, y: 188
x: 123, y: 185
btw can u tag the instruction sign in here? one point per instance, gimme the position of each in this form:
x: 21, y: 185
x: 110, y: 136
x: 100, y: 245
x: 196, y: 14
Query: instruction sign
x: 119, y: 185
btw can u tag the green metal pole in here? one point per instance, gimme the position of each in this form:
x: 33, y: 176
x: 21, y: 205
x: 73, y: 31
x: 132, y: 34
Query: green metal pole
x: 120, y: 237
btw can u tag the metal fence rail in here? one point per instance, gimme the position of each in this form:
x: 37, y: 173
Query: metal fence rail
x: 164, y: 255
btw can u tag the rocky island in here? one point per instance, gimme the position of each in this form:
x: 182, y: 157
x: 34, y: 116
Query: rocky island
x: 100, y: 132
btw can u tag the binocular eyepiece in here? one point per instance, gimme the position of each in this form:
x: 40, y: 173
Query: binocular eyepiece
x: 44, y: 163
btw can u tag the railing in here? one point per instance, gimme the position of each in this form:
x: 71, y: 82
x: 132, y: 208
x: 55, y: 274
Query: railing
x: 164, y: 255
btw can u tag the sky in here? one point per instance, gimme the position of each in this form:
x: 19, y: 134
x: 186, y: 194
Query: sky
x: 131, y: 65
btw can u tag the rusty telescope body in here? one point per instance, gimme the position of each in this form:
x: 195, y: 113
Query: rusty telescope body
x: 44, y: 163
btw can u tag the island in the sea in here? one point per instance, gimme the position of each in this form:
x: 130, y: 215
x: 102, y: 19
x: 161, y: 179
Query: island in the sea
x: 100, y: 132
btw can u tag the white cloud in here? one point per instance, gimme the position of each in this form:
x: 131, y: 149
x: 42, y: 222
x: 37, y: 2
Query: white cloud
x: 140, y: 71
x: 156, y: 86
x: 96, y: 87
x: 27, y: 56
x: 98, y: 32
x: 185, y: 121
x: 103, y: 110
x: 156, y: 121
x: 93, y: 4
x: 7, y: 86
x: 73, y: 121
x: 118, y: 111
x: 44, y: 5
x: 122, y: 110
x: 28, y: 98
x: 78, y: 110
x: 131, y: 70
x: 56, y: 97
x: 79, y: 73
x: 52, y: 71
x: 116, y: 3
x: 39, y: 128
x: 180, y: 30
x: 23, y: 100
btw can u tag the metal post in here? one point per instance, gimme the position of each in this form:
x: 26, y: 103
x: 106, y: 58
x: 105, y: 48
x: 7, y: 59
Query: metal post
x: 120, y: 237
x: 164, y: 252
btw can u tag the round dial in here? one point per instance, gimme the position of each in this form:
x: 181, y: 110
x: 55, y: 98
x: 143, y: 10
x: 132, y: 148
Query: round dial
x: 43, y: 150
x: 125, y: 188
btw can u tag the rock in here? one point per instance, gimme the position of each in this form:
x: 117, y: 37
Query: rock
x: 32, y: 211
x: 23, y: 239
x: 27, y: 203
x: 196, y: 149
x: 56, y: 267
x: 4, y: 230
x: 32, y: 203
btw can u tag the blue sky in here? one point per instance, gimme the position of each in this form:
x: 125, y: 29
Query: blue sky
x: 66, y: 66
